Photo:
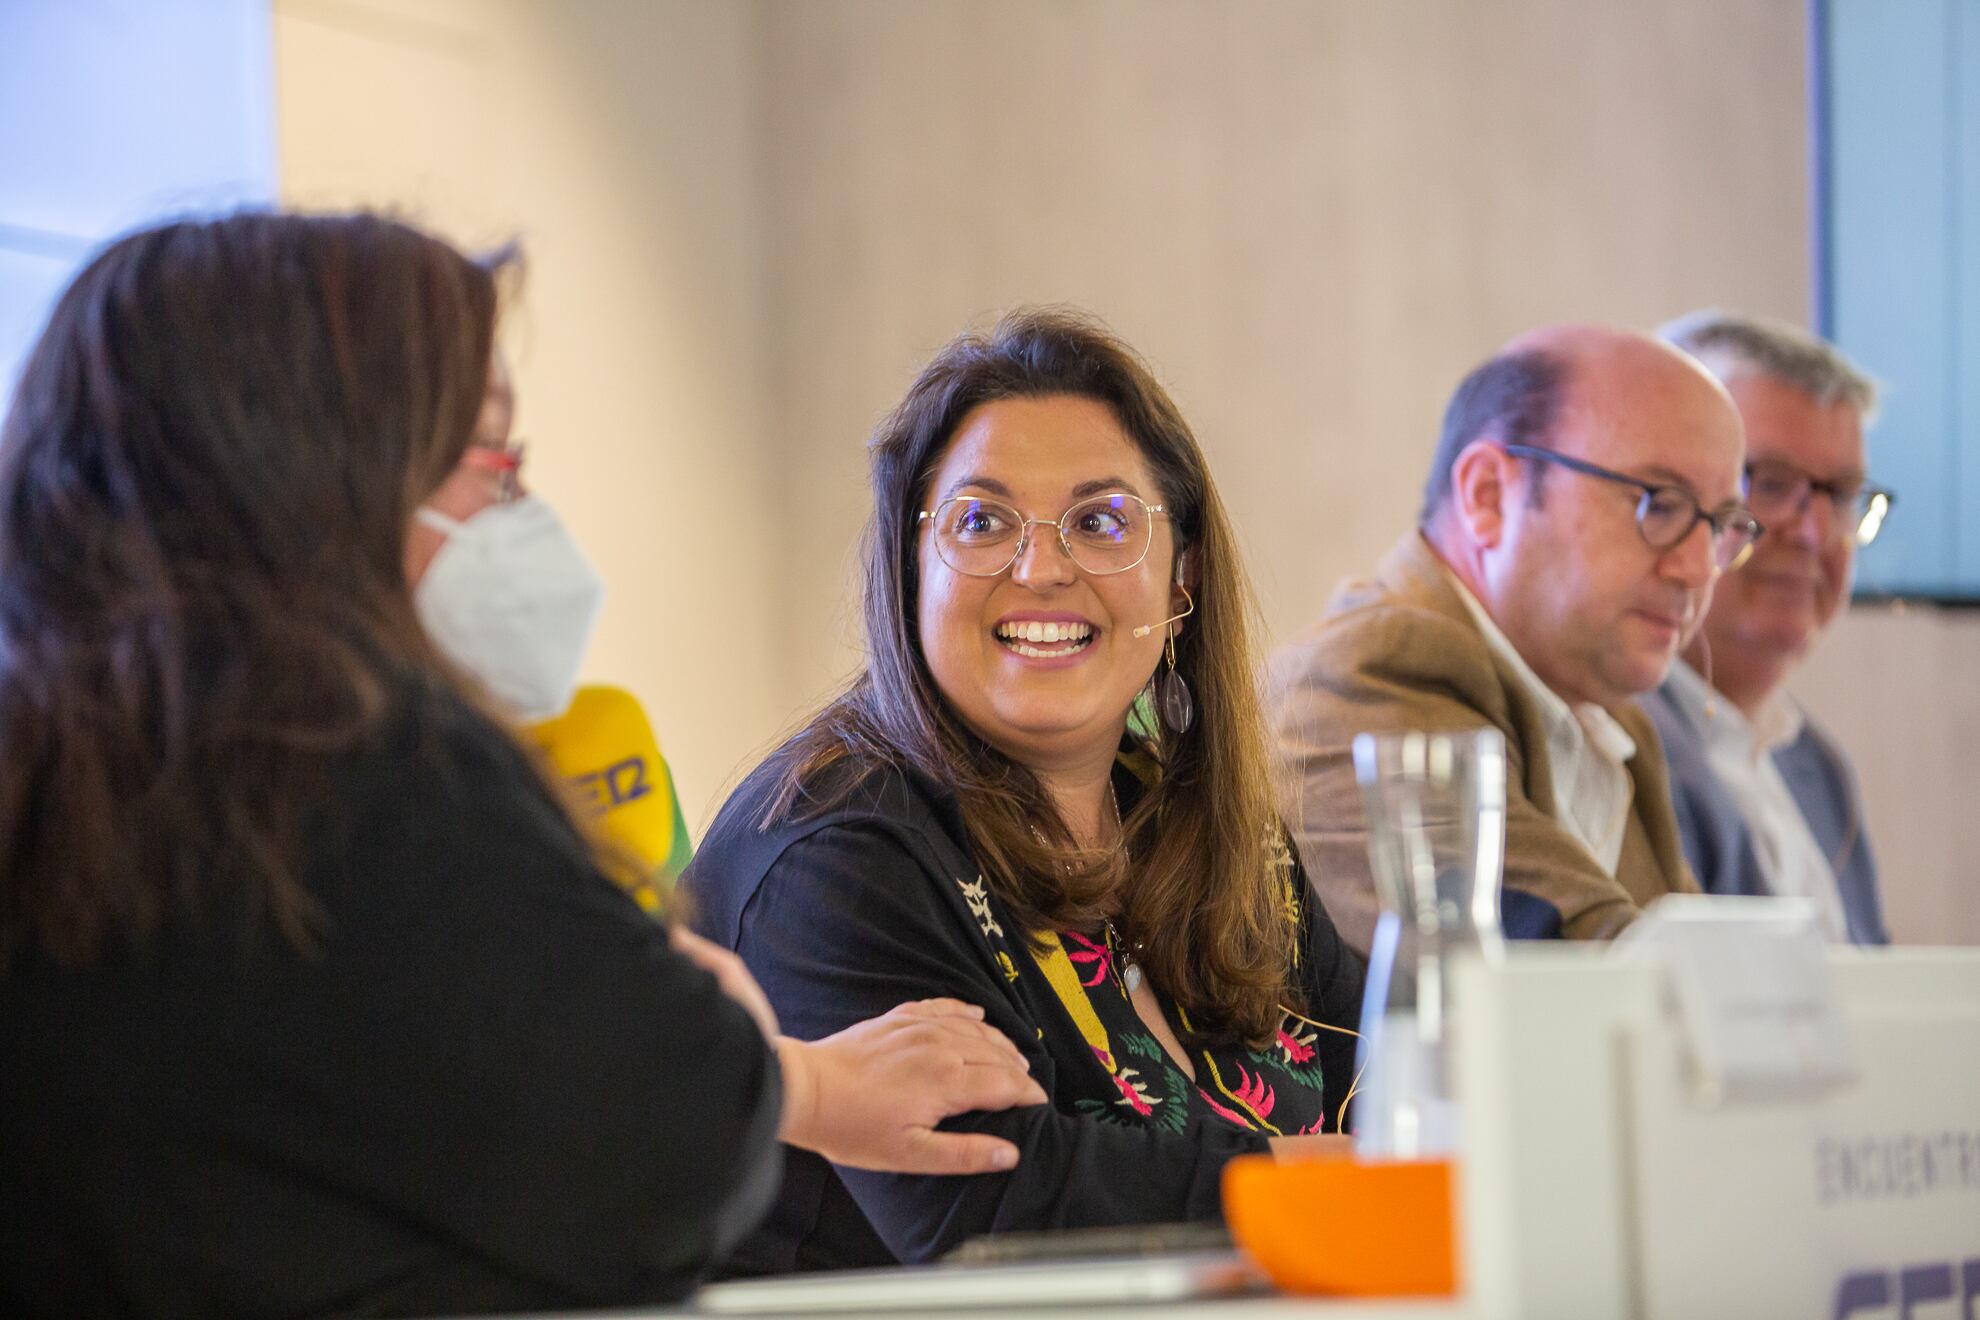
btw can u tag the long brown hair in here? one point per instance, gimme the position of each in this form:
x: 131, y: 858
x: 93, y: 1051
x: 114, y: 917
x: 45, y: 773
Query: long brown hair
x: 1202, y: 882
x: 206, y: 478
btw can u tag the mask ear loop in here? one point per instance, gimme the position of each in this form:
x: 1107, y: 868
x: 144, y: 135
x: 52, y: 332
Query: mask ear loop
x: 437, y: 520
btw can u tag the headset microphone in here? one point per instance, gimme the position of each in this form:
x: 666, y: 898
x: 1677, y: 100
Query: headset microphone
x: 1189, y: 607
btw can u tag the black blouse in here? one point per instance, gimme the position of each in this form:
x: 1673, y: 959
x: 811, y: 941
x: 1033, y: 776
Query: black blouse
x: 877, y: 901
x: 490, y: 1086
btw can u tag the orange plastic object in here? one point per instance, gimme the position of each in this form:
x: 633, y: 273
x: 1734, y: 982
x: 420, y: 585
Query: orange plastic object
x: 1345, y: 1228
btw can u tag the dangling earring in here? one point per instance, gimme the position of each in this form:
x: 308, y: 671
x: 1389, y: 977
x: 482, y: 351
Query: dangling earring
x: 1172, y: 696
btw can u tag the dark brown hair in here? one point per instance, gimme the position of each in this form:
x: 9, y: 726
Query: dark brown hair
x: 1511, y: 397
x: 206, y: 479
x: 1202, y: 882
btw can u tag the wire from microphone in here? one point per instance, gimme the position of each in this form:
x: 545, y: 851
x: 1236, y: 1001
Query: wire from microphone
x: 1189, y: 608
x: 1705, y: 659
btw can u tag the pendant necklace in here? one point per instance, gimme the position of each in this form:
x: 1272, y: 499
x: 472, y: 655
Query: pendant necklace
x: 1130, y: 969
x: 1123, y: 952
x: 1119, y: 951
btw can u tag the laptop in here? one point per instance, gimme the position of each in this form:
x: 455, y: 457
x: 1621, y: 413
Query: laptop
x: 1079, y: 1281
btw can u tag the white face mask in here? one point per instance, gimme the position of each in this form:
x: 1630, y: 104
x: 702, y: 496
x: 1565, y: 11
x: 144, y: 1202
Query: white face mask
x: 511, y: 598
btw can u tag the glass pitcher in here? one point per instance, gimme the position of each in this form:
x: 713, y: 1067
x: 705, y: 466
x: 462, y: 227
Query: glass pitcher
x: 1436, y: 810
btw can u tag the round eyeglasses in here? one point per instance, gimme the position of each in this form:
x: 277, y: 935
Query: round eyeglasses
x: 982, y: 538
x: 1780, y: 492
x: 1665, y: 515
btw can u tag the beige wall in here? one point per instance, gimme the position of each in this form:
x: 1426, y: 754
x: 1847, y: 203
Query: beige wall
x: 751, y: 221
x: 1896, y: 686
x: 620, y: 140
x: 1313, y: 217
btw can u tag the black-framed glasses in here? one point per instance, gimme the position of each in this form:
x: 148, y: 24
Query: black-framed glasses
x: 982, y: 538
x: 1780, y: 492
x: 1665, y: 515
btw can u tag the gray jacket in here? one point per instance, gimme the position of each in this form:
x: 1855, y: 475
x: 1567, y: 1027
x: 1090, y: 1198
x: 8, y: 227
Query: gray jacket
x: 1715, y: 836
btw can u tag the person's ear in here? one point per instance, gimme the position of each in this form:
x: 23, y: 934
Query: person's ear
x: 1482, y: 488
x: 1188, y: 569
x: 1183, y: 587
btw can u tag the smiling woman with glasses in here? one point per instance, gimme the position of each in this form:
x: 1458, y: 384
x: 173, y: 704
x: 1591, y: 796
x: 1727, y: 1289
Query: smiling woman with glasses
x: 1048, y: 793
x: 1666, y: 514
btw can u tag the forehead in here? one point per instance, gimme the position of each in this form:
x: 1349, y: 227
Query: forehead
x: 1785, y: 425
x: 1658, y: 417
x: 1041, y: 451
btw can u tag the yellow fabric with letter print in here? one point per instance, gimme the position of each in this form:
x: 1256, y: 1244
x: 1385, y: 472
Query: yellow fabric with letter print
x: 604, y: 748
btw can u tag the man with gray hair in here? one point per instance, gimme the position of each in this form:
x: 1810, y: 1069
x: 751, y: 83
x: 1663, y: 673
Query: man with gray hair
x: 1766, y: 801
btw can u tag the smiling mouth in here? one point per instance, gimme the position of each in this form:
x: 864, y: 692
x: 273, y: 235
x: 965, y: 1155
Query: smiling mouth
x: 1045, y: 641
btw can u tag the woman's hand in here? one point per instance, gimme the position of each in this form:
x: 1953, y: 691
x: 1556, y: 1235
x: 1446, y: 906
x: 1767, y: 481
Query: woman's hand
x: 1313, y: 1146
x: 729, y: 973
x: 870, y: 1096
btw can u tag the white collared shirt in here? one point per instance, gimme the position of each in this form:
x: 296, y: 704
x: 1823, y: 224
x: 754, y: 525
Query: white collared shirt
x: 1587, y: 751
x: 1741, y: 753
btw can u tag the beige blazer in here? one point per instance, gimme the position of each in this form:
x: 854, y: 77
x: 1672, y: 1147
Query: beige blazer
x: 1401, y: 652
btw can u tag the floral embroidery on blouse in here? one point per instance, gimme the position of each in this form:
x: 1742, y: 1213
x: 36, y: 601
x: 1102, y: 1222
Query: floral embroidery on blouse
x: 1157, y: 1092
x: 1095, y: 956
x: 1296, y: 1051
x: 1123, y: 1075
x: 1278, y: 1089
x: 978, y: 897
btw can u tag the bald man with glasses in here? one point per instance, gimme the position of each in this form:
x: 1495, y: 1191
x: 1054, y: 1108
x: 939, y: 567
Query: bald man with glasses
x: 1767, y: 802
x: 1585, y: 495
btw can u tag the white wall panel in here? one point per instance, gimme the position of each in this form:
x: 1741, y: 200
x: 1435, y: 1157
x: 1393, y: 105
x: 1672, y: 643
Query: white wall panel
x: 117, y: 112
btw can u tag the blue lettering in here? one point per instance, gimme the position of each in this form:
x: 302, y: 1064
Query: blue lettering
x: 627, y: 780
x: 1923, y: 1283
x: 1868, y: 1290
x: 1905, y: 1164
x: 614, y: 786
x: 592, y: 789
x: 1940, y: 1281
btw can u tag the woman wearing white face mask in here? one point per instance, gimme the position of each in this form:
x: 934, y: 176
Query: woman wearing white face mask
x: 314, y: 999
x: 500, y: 583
